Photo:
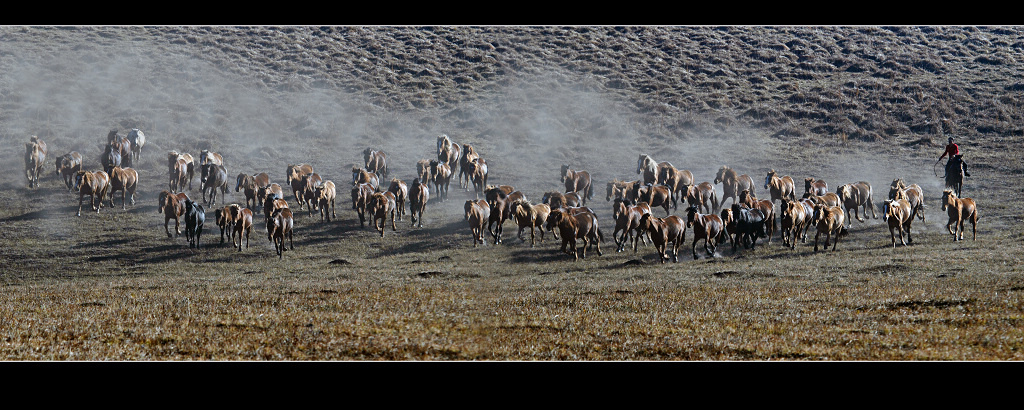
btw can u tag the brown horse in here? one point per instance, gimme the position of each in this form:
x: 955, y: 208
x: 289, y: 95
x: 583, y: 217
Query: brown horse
x: 959, y: 211
x: 678, y: 181
x: 363, y: 176
x: 35, y: 156
x: 577, y: 226
x: 528, y: 215
x: 221, y: 216
x: 732, y: 184
x: 477, y: 174
x: 501, y: 211
x: 325, y: 198
x: 651, y: 170
x: 627, y: 220
x: 173, y: 207
x: 898, y: 214
x: 577, y: 181
x: 310, y: 183
x: 829, y: 221
x: 708, y: 227
x: 572, y: 199
x: 423, y: 170
x: 829, y: 199
x: 376, y: 162
x: 780, y: 188
x: 808, y: 205
x: 703, y: 195
x: 280, y: 225
x: 654, y: 195
x: 272, y: 204
x: 815, y: 187
x: 67, y: 166
x: 418, y: 197
x: 478, y: 213
x: 401, y: 192
x: 382, y: 204
x: 853, y: 196
x: 662, y: 231
x: 467, y: 166
x: 121, y: 146
x: 179, y: 173
x: 766, y: 207
x: 794, y: 220
x: 294, y: 174
x: 729, y: 226
x: 207, y: 157
x: 448, y: 152
x: 913, y: 194
x: 124, y: 180
x: 620, y: 189
x: 242, y: 219
x: 442, y: 178
x: 95, y: 185
x: 361, y: 195
x: 271, y: 191
x: 251, y: 184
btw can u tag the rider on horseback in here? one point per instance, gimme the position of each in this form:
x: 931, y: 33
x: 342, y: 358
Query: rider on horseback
x: 953, y: 151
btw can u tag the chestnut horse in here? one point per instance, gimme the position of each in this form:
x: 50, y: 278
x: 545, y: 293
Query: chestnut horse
x: 654, y: 195
x: 242, y: 219
x: 855, y: 195
x: 382, y: 204
x: 376, y: 162
x: 442, y: 177
x: 732, y: 184
x: 913, y: 194
x: 898, y: 214
x: 620, y: 189
x: 794, y: 220
x: 815, y: 187
x: 664, y: 230
x: 35, y: 156
x: 577, y: 226
x: 251, y: 184
x: 361, y: 195
x: 294, y: 174
x: 627, y: 220
x: 280, y: 225
x: 577, y: 181
x: 959, y: 211
x: 477, y: 173
x: 124, y: 180
x: 703, y: 195
x: 500, y: 211
x: 180, y: 173
x: 708, y: 227
x: 529, y: 215
x: 67, y: 166
x: 678, y: 181
x: 268, y: 192
x: 95, y: 185
x: 173, y: 207
x: 779, y: 188
x: 363, y: 176
x: 466, y: 169
x: 418, y: 196
x: 478, y: 213
x: 829, y: 221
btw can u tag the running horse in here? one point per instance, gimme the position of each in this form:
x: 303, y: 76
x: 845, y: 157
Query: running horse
x: 732, y: 184
x: 466, y: 166
x: 124, y: 180
x: 780, y: 187
x: 708, y: 227
x: 959, y: 210
x: 67, y: 166
x: 95, y: 185
x: 376, y: 162
x: 294, y: 174
x: 646, y: 166
x: 815, y: 187
x: 137, y: 139
x: 577, y: 181
x: 35, y: 155
x: 448, y: 152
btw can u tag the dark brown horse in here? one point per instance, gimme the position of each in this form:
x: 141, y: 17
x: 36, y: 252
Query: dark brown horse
x: 280, y: 225
x: 955, y: 175
x: 418, y: 196
x: 376, y: 162
x: 662, y: 231
x: 173, y: 207
x: 214, y: 177
x: 579, y: 182
x: 708, y: 227
x: 67, y: 166
x: 815, y: 187
x: 442, y: 178
x: 294, y: 174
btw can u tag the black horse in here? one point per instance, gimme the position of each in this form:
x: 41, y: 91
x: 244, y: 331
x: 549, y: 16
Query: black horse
x: 749, y: 225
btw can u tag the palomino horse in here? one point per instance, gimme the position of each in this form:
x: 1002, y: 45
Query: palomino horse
x: 124, y: 180
x: 898, y: 214
x: 627, y: 220
x: 401, y: 192
x: 138, y: 139
x: 664, y: 230
x: 955, y: 175
x: 95, y: 185
x: 794, y: 220
x: 853, y: 196
x: 382, y: 204
x: 35, y: 155
x: 468, y: 157
x: 361, y: 195
x: 251, y: 184
x: 325, y: 198
x: 703, y: 195
x: 577, y: 226
x: 195, y: 217
x: 815, y: 187
x: 294, y: 174
x: 280, y: 225
x: 529, y: 215
x: 959, y: 211
x: 214, y: 177
x: 442, y: 177
x: 478, y: 213
x: 829, y: 221
x: 732, y: 184
x: 577, y: 181
x: 418, y: 196
x: 708, y: 227
x: 780, y: 188
x: 913, y: 194
x: 67, y: 166
x: 173, y: 207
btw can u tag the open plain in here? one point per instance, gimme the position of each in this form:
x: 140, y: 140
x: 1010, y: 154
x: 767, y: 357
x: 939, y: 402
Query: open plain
x: 843, y: 104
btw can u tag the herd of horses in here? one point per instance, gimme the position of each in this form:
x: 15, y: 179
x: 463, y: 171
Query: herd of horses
x: 562, y: 212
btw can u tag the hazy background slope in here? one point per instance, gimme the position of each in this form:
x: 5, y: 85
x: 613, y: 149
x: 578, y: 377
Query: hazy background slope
x: 810, y: 101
